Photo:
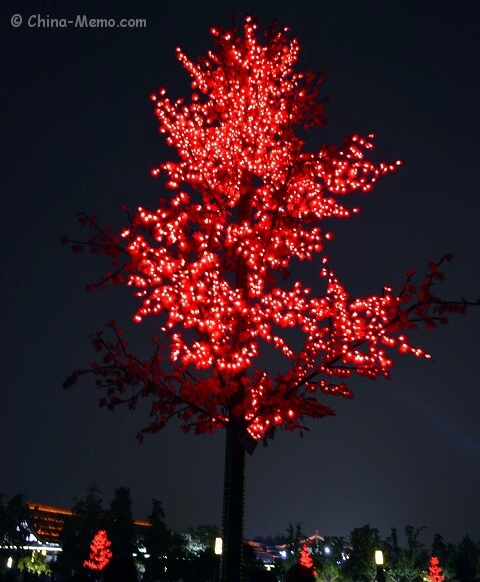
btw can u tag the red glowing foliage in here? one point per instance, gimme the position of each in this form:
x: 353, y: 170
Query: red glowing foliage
x: 100, y: 553
x: 435, y: 571
x: 212, y: 262
x: 305, y: 558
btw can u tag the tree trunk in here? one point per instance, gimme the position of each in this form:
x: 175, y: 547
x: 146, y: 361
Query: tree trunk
x: 233, y: 504
x: 237, y: 438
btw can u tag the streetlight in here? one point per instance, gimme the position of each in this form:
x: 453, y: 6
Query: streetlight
x: 218, y: 549
x: 380, y: 577
x: 218, y: 546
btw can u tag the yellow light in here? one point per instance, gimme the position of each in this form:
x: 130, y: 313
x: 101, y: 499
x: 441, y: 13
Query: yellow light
x: 218, y: 546
x: 379, y: 557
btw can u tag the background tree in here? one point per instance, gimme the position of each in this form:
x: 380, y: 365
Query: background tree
x: 293, y: 543
x: 406, y: 564
x: 120, y: 530
x: 363, y: 543
x: 200, y: 538
x: 414, y: 559
x: 251, y: 563
x: 439, y: 548
x: 445, y: 553
x: 178, y: 559
x: 15, y: 518
x: 202, y: 563
x: 214, y: 264
x: 87, y: 519
x: 69, y: 560
x: 331, y: 560
x: 467, y: 560
x: 157, y: 543
x: 329, y: 570
x: 35, y: 564
x: 393, y: 556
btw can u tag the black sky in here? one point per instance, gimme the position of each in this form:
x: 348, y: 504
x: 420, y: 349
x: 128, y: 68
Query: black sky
x: 79, y: 134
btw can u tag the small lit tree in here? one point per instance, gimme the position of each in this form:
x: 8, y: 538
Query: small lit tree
x: 215, y: 264
x: 100, y: 553
x: 305, y: 558
x: 435, y: 571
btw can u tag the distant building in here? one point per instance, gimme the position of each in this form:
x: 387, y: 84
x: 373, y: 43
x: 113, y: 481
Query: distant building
x: 269, y: 554
x: 46, y: 525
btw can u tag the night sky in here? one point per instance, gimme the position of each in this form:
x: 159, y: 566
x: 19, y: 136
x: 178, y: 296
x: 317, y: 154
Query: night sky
x: 79, y: 134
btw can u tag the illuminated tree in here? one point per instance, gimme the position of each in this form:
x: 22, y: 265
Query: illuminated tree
x: 215, y: 264
x: 305, y: 558
x: 294, y: 541
x: 100, y: 553
x: 435, y: 571
x: 79, y: 529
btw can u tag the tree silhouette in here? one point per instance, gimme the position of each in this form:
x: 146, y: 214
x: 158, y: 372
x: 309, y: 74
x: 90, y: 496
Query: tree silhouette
x: 330, y: 559
x: 467, y: 559
x: 120, y: 529
x: 408, y: 563
x: 360, y: 565
x: 215, y: 264
x: 157, y: 543
x: 294, y: 541
x: 88, y: 517
x: 14, y: 530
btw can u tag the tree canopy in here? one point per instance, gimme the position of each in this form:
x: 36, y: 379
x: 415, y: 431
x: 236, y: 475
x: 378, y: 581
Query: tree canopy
x: 215, y: 263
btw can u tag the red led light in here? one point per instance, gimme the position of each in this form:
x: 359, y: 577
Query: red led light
x: 212, y: 262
